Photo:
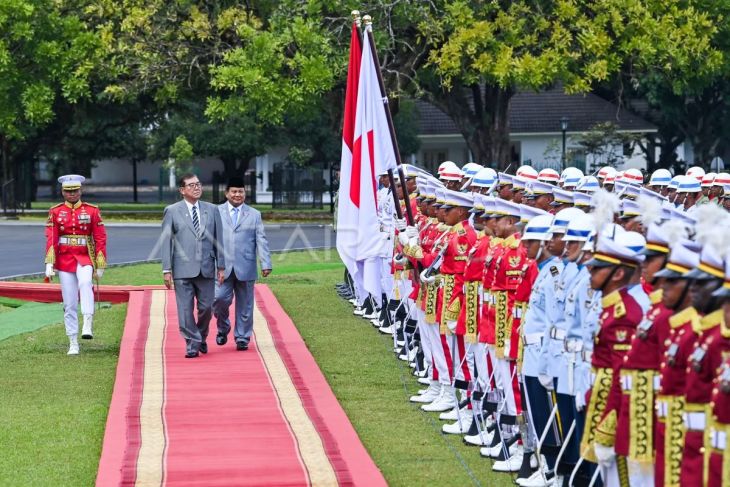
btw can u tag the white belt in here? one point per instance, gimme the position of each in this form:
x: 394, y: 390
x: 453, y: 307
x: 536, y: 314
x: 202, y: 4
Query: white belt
x: 557, y: 333
x: 657, y: 382
x: 718, y: 439
x: 587, y: 355
x: 626, y: 382
x: 694, y: 421
x: 573, y: 345
x: 517, y: 312
x: 72, y: 241
x: 531, y: 338
x: 662, y: 408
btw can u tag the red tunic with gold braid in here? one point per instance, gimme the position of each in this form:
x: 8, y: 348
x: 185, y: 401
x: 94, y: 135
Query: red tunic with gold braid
x: 716, y: 446
x: 511, y: 267
x: 705, y: 360
x: 463, y: 238
x: 522, y: 298
x: 486, y: 324
x: 618, y: 321
x: 684, y: 328
x: 75, y: 235
x: 470, y: 314
x: 636, y: 383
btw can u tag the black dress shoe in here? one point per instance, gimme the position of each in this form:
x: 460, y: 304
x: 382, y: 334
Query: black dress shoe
x: 241, y: 346
x: 191, y: 354
x: 203, y: 347
x: 221, y: 339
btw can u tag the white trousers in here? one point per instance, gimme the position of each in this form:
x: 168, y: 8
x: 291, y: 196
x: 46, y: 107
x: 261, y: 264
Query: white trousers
x: 73, y: 285
x: 640, y: 474
x: 480, y: 363
x: 438, y: 356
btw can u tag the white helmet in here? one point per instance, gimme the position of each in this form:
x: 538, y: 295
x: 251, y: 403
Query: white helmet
x: 538, y: 228
x: 485, y: 178
x: 449, y: 171
x: 589, y: 184
x: 696, y: 172
x: 471, y: 168
x: 570, y: 177
x: 580, y: 228
x: 633, y: 176
x: 660, y: 177
x: 607, y: 172
x: 548, y: 175
x: 708, y: 179
x: 563, y: 218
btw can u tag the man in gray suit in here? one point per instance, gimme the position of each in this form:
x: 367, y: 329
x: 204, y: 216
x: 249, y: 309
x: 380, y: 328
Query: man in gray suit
x: 192, y: 236
x: 244, y: 240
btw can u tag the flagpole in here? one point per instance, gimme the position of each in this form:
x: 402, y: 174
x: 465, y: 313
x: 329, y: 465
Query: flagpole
x: 367, y: 20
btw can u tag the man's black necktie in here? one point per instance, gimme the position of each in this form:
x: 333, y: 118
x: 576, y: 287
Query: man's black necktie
x: 196, y: 222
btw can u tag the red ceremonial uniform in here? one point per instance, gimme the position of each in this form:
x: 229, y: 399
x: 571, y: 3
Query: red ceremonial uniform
x: 75, y: 235
x: 486, y: 324
x: 512, y: 264
x: 619, y: 318
x: 684, y: 328
x: 469, y: 317
x: 704, y: 362
x: 634, y: 386
x: 522, y: 298
x: 716, y: 447
x: 462, y: 240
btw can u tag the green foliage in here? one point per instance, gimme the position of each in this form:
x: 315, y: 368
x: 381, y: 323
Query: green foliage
x: 47, y: 53
x: 181, y: 155
x: 521, y: 43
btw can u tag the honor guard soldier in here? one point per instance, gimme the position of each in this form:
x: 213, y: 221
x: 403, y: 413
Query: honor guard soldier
x: 611, y: 268
x: 684, y: 327
x: 712, y: 345
x: 76, y: 248
x: 717, y: 454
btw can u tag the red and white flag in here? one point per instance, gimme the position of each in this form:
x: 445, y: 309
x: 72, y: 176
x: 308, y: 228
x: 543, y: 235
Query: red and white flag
x: 371, y: 153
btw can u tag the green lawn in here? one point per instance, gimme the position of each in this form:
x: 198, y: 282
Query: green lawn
x: 54, y: 407
x: 54, y: 396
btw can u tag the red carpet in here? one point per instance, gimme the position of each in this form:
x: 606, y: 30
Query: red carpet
x: 261, y: 417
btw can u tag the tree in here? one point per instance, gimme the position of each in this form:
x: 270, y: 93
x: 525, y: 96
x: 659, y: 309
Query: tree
x: 485, y: 52
x: 47, y: 54
x: 603, y: 145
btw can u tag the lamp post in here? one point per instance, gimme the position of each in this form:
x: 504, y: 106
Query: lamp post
x: 564, y: 129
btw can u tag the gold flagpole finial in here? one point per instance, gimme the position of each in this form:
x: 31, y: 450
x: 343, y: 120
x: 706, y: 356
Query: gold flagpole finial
x: 367, y: 20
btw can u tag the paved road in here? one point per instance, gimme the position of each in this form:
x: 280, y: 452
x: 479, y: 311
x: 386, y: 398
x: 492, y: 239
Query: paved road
x: 22, y: 244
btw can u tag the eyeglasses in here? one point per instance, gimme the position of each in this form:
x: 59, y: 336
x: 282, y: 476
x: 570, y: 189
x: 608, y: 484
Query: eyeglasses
x: 194, y: 185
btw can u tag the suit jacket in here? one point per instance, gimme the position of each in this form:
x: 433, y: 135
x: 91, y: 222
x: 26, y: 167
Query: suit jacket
x: 243, y: 242
x: 184, y: 252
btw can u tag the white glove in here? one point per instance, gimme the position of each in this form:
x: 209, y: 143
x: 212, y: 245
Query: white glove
x: 412, y: 232
x: 399, y: 259
x: 605, y: 454
x: 400, y: 224
x: 451, y: 325
x: 546, y: 381
x: 99, y: 273
x: 403, y: 238
x: 50, y: 272
x: 427, y: 280
x: 580, y: 401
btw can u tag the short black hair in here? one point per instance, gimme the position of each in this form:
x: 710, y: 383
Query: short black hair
x: 182, y: 180
x: 235, y: 183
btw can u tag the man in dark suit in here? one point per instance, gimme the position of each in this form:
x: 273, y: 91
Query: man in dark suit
x: 244, y: 240
x: 192, y: 236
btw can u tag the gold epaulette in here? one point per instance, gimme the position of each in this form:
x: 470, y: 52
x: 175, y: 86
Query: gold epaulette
x: 656, y: 296
x: 606, y: 430
x: 56, y: 206
x: 511, y: 242
x: 89, y: 204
